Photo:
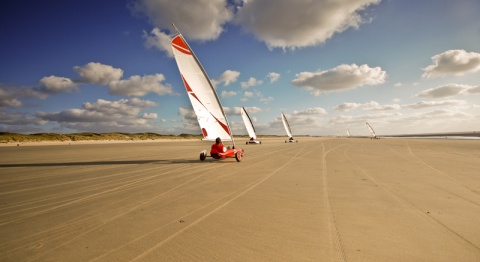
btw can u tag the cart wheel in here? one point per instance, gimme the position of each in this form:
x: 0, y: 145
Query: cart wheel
x: 202, y: 156
x: 238, y: 156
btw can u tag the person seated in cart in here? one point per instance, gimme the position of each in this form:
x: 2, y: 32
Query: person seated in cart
x: 217, y: 148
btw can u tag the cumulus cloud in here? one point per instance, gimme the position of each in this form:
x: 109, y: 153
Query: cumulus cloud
x: 292, y: 24
x: 226, y: 94
x: 369, y: 106
x: 425, y: 104
x: 339, y: 78
x: 273, y: 76
x: 187, y: 113
x: 150, y: 116
x: 250, y: 110
x: 227, y: 77
x: 474, y: 90
x: 453, y: 62
x: 97, y: 73
x: 18, y: 119
x: 310, y: 111
x: 266, y: 100
x: 252, y: 81
x: 10, y: 96
x: 197, y: 19
x: 102, y: 115
x: 140, y: 86
x: 159, y: 40
x: 444, y: 91
x: 248, y: 94
x: 55, y: 84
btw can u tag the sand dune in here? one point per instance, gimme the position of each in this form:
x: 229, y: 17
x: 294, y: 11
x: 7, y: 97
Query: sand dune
x: 322, y: 199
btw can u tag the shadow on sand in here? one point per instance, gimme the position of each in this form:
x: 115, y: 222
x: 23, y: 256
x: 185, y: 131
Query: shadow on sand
x: 114, y: 162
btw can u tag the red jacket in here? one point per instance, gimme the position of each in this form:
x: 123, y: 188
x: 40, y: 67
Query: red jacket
x: 216, y: 148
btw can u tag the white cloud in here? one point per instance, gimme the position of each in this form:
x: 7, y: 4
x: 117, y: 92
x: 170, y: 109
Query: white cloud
x: 250, y: 110
x: 141, y: 103
x: 187, y: 113
x: 252, y: 81
x: 248, y: 94
x: 18, y: 119
x: 369, y: 106
x: 226, y: 94
x: 453, y: 62
x: 273, y: 76
x: 425, y: 104
x: 266, y: 100
x: 55, y: 84
x: 140, y: 86
x: 158, y: 40
x: 10, y: 95
x: 292, y: 24
x: 196, y: 19
x: 339, y: 78
x: 97, y: 73
x: 310, y: 111
x: 443, y: 91
x: 103, y: 115
x: 474, y: 90
x: 150, y: 116
x: 227, y: 77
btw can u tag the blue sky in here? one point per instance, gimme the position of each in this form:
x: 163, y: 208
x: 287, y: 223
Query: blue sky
x: 106, y: 66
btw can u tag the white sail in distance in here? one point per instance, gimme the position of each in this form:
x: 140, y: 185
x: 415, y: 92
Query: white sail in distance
x: 286, y: 125
x: 348, y: 133
x: 371, y: 130
x: 202, y: 95
x: 248, y: 123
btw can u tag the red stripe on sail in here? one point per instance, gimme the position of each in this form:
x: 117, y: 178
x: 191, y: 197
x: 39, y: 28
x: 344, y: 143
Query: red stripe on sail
x: 178, y: 44
x: 225, y: 127
x: 187, y: 86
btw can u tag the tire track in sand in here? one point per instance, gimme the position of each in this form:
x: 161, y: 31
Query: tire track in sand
x: 332, y: 221
x: 412, y: 206
x: 228, y: 199
x: 206, y: 169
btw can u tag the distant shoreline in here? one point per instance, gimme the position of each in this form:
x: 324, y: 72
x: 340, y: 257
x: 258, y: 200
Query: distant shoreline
x: 87, y: 137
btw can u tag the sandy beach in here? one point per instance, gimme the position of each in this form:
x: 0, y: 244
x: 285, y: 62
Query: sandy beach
x: 322, y: 199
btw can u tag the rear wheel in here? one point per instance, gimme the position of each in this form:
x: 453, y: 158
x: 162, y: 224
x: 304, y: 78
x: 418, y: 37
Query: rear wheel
x: 238, y: 156
x: 203, y: 156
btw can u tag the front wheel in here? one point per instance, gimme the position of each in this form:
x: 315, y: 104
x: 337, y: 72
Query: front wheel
x: 238, y: 156
x: 203, y: 156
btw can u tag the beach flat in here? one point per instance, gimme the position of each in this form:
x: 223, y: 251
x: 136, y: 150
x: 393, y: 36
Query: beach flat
x: 322, y: 199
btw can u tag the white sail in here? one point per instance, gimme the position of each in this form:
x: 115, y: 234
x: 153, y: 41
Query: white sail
x: 287, y: 127
x: 371, y: 130
x: 348, y: 133
x: 204, y: 99
x: 248, y: 123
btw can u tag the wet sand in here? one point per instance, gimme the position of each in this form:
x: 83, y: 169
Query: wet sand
x: 322, y: 199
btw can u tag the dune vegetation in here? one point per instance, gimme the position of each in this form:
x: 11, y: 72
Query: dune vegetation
x: 6, y: 137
